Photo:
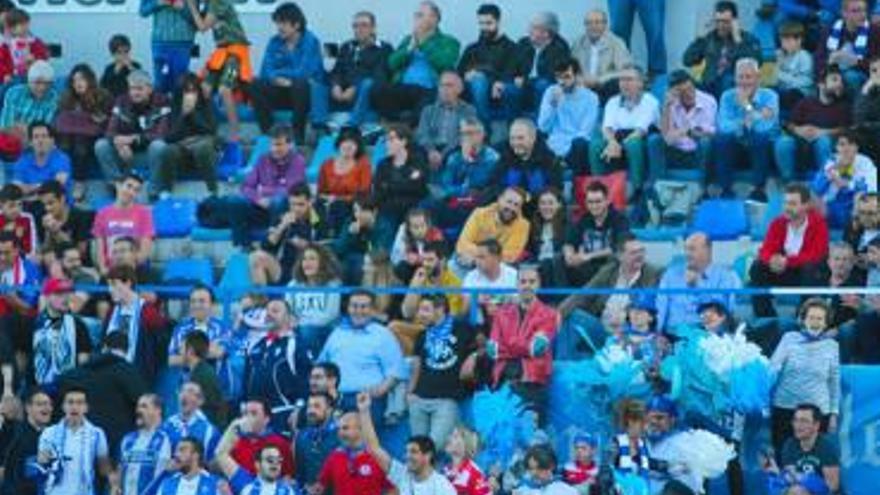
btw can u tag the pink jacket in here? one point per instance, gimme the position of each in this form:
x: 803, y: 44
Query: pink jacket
x: 516, y: 338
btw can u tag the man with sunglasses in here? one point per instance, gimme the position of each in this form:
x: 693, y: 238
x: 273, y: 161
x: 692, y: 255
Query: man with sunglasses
x: 268, y: 459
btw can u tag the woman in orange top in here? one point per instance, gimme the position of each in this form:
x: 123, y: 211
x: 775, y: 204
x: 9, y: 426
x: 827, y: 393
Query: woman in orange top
x: 343, y: 177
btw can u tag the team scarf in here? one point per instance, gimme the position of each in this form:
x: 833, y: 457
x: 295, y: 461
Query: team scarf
x: 134, y: 326
x: 207, y: 484
x: 810, y: 337
x: 256, y: 487
x: 627, y: 459
x: 436, y: 336
x: 15, y: 275
x: 141, y: 471
x: 54, y: 347
x: 86, y: 451
x: 860, y: 46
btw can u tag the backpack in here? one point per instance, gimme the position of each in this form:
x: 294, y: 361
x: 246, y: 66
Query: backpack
x: 672, y: 202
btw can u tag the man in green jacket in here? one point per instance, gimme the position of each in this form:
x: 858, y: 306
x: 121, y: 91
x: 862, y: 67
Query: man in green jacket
x: 416, y: 66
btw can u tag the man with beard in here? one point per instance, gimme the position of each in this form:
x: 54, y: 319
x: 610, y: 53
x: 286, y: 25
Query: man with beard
x: 502, y: 221
x: 61, y: 340
x: 61, y: 222
x: 812, y: 126
x: 268, y: 459
x: 487, y: 68
x: 417, y: 476
x: 527, y: 163
x: 190, y: 476
x: 435, y: 388
x: 145, y: 453
x: 662, y: 415
x: 350, y: 469
x: 278, y: 365
x: 71, y: 260
x: 316, y: 441
x: 23, y: 444
x: 568, y: 116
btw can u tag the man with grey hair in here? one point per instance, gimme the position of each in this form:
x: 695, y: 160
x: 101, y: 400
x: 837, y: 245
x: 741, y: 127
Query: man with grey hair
x: 538, y: 54
x: 601, y: 54
x: 416, y: 66
x: 34, y: 101
x: 628, y: 118
x: 748, y: 124
x: 438, y: 125
x: 135, y: 135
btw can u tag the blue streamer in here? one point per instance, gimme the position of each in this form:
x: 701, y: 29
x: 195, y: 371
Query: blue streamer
x: 503, y: 425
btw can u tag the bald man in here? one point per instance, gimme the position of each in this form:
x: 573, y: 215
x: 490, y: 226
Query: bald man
x: 697, y: 272
x: 351, y: 469
x: 527, y: 162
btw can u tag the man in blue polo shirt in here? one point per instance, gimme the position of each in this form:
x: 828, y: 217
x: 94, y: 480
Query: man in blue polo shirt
x: 144, y: 454
x: 43, y: 162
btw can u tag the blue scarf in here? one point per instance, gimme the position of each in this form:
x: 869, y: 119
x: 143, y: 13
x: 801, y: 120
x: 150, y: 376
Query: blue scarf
x: 256, y: 487
x: 860, y: 46
x: 54, y: 350
x: 810, y: 338
x: 438, y: 333
x: 133, y: 330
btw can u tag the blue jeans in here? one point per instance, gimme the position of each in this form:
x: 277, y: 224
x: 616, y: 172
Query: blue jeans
x: 787, y: 157
x: 362, y: 112
x: 319, y: 96
x: 113, y: 167
x: 533, y: 92
x: 732, y: 152
x: 170, y: 63
x: 433, y: 417
x: 480, y: 91
x: 244, y: 216
x: 652, y: 13
x: 660, y: 154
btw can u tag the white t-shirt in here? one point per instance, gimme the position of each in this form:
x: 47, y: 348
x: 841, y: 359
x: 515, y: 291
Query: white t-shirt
x: 476, y: 280
x: 436, y: 484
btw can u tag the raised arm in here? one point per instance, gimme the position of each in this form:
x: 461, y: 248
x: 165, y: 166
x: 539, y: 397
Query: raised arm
x: 224, y: 459
x: 202, y: 22
x: 368, y: 430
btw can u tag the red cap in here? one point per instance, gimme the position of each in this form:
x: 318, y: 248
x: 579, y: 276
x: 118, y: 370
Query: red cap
x: 57, y: 286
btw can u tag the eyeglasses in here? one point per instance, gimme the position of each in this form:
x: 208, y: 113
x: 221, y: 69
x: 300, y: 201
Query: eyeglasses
x: 273, y: 460
x: 359, y: 306
x: 360, y: 24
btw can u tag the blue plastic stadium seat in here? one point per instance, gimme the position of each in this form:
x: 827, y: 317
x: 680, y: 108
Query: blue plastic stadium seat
x: 174, y: 217
x: 204, y: 234
x: 189, y: 270
x: 231, y: 161
x: 721, y: 219
x: 774, y: 209
x: 237, y: 273
x: 324, y: 150
x: 660, y: 234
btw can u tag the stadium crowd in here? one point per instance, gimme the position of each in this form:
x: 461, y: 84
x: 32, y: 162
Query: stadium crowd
x: 294, y: 394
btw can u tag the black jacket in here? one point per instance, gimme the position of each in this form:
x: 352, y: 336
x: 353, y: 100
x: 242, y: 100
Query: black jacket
x: 400, y: 188
x: 23, y: 440
x: 113, y: 386
x: 494, y: 57
x: 356, y: 63
x: 200, y: 122
x: 541, y: 170
x: 552, y: 55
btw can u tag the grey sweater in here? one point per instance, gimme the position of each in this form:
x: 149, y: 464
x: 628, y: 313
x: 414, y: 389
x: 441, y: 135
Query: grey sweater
x: 807, y: 371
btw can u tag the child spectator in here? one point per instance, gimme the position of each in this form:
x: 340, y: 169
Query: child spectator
x: 14, y: 219
x: 19, y: 48
x: 580, y: 473
x: 847, y: 175
x: 229, y: 66
x: 794, y: 66
x: 115, y: 77
x: 409, y: 243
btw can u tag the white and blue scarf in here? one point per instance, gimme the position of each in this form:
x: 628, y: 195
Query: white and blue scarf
x: 54, y: 347
x: 626, y: 460
x: 256, y: 488
x: 86, y: 451
x: 860, y: 46
x: 134, y: 326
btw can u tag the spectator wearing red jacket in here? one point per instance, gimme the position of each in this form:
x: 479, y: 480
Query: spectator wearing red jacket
x: 256, y: 435
x: 19, y: 48
x: 795, y: 247
x: 520, y: 343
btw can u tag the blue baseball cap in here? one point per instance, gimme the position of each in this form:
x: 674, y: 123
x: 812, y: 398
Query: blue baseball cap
x: 664, y: 404
x: 584, y: 438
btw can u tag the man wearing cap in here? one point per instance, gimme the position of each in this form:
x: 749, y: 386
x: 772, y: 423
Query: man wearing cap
x: 662, y: 415
x: 140, y: 120
x: 61, y: 340
x: 29, y: 102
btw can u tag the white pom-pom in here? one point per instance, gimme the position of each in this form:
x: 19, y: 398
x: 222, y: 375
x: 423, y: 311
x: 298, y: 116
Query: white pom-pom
x: 705, y: 454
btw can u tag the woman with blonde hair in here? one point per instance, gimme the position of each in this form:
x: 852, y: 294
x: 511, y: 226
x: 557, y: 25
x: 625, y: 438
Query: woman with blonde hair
x: 463, y: 472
